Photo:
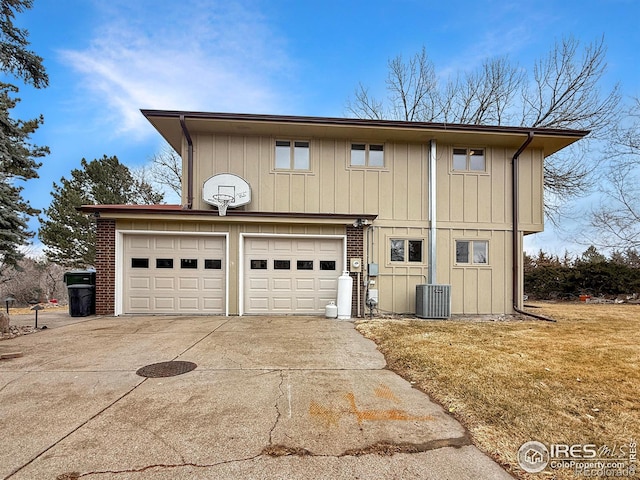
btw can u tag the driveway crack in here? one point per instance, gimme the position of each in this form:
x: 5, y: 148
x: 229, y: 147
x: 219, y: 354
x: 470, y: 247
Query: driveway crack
x: 277, y: 406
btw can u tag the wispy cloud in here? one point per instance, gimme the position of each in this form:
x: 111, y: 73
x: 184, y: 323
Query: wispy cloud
x: 214, y: 56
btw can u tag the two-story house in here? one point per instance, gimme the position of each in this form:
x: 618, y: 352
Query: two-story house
x: 397, y: 204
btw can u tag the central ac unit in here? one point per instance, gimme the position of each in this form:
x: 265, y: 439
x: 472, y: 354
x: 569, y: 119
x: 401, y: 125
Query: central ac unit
x: 433, y: 301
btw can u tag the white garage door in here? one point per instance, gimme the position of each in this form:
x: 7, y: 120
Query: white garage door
x: 285, y: 275
x: 174, y: 274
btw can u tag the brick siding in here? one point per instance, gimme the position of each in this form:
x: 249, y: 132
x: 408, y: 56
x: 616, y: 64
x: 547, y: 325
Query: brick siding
x: 355, y: 249
x: 105, y: 267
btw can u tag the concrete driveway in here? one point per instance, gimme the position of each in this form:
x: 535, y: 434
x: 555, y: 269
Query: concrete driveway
x: 271, y: 397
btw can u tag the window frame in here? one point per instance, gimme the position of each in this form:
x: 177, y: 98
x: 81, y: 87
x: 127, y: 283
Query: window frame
x: 471, y: 252
x: 293, y: 158
x: 468, y: 160
x: 367, y: 154
x: 406, y: 251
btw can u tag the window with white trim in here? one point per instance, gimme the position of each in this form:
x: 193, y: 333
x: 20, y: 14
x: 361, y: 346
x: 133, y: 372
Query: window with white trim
x: 472, y: 252
x: 367, y: 155
x: 405, y: 250
x: 292, y: 155
x: 469, y: 160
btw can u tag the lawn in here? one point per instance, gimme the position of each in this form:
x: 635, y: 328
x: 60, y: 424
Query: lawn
x: 576, y: 381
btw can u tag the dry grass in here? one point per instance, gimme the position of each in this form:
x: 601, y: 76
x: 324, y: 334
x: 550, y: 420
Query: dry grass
x: 575, y: 381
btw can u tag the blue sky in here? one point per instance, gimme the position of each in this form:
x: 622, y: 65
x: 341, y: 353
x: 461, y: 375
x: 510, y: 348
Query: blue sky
x: 107, y: 59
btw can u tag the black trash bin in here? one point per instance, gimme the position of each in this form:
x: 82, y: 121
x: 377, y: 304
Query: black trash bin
x: 82, y: 301
x: 81, y: 286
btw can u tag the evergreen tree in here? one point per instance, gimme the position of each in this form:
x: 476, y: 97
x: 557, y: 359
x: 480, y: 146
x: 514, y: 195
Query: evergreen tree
x: 68, y: 235
x: 18, y: 157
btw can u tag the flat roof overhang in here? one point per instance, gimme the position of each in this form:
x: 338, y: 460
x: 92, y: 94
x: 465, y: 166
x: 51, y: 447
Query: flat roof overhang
x: 177, y: 212
x: 167, y: 122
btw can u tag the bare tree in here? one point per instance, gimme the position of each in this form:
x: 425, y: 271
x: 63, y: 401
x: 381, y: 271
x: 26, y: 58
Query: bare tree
x: 166, y: 169
x: 563, y: 92
x: 616, y: 221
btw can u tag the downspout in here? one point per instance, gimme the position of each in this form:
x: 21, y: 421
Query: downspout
x: 432, y: 212
x: 515, y: 220
x: 183, y: 124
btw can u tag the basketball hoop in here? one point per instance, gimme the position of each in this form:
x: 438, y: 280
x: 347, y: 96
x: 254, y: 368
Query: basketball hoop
x: 222, y: 201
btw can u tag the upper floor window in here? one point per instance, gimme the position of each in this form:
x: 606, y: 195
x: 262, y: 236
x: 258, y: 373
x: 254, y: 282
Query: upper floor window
x: 292, y: 155
x: 367, y: 155
x: 469, y: 160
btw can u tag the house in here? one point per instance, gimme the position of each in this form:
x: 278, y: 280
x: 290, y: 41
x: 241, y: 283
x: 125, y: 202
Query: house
x: 396, y: 204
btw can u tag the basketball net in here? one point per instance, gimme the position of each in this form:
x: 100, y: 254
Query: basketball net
x: 222, y: 201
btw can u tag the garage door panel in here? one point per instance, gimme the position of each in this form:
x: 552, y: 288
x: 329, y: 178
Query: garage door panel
x: 305, y: 284
x: 305, y: 287
x: 189, y: 244
x: 283, y: 304
x: 282, y: 284
x: 149, y: 289
x: 212, y: 303
x: 139, y: 282
x: 188, y: 304
x: 188, y: 284
x: 141, y: 303
x: 164, y: 283
x: 282, y: 246
x: 140, y: 243
x: 258, y: 304
x: 327, y: 285
x: 259, y: 284
x: 215, y: 284
x: 164, y: 304
x: 305, y: 303
x: 164, y: 243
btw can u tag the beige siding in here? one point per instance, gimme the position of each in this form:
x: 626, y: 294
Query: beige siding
x: 396, y: 192
x: 476, y: 289
x: 469, y: 205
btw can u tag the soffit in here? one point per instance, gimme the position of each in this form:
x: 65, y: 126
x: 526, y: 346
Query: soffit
x: 287, y: 127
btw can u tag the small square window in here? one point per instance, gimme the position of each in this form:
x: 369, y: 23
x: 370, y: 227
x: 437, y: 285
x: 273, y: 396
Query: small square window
x: 363, y: 154
x: 164, y: 262
x: 304, y: 264
x: 213, y: 264
x: 189, y: 263
x: 258, y: 264
x: 292, y: 155
x: 469, y: 160
x: 139, y: 263
x: 282, y: 264
x: 327, y: 265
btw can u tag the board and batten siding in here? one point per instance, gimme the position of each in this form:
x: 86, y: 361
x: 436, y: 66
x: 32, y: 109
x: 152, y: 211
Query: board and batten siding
x: 469, y: 205
x: 397, y: 191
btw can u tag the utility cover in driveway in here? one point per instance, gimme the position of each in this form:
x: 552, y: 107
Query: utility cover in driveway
x: 166, y: 369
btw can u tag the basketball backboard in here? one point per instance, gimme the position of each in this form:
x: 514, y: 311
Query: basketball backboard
x: 227, y: 184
